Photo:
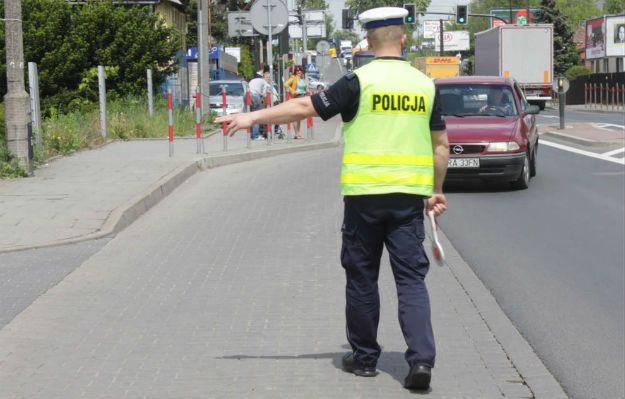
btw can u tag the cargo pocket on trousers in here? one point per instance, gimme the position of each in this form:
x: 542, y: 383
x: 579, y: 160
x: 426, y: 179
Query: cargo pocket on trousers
x: 350, y: 246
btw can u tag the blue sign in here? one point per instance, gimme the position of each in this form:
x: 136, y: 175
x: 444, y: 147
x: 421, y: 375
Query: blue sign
x: 312, y: 68
x: 213, y: 53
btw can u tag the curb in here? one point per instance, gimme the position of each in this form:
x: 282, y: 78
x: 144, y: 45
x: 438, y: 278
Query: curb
x: 536, y: 377
x: 124, y: 215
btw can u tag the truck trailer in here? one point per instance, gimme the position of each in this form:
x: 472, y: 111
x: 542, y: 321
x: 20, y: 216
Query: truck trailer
x: 522, y: 52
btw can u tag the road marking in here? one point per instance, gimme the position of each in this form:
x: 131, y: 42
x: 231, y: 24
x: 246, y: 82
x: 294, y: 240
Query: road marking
x: 603, y: 157
x: 549, y: 116
x: 614, y: 152
x: 608, y: 125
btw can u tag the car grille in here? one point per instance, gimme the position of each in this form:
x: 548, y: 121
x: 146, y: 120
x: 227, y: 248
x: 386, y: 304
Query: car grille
x: 467, y: 149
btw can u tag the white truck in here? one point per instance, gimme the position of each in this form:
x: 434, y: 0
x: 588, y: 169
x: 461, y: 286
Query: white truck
x: 346, y: 49
x: 522, y: 52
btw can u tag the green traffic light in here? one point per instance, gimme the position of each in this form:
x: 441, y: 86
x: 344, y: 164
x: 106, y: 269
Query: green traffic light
x: 461, y: 20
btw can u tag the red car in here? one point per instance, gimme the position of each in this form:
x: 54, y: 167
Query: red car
x: 491, y: 128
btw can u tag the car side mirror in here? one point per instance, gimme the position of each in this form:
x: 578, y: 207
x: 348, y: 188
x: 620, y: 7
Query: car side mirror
x: 532, y: 110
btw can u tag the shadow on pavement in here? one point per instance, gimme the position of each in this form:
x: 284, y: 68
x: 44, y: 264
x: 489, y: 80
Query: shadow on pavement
x: 391, y: 363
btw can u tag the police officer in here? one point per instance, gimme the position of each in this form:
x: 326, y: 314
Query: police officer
x: 395, y: 159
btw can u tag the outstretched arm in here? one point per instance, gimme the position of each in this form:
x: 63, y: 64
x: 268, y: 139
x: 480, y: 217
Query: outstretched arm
x: 289, y: 111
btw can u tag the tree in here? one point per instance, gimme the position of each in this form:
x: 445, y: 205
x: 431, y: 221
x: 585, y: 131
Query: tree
x: 577, y: 11
x: 614, y: 6
x: 346, y: 35
x: 565, y: 52
x: 363, y: 5
x: 67, y: 42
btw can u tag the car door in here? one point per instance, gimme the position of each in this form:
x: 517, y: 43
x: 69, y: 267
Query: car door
x: 529, y: 120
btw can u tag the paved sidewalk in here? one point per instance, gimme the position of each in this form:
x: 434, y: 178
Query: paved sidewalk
x: 97, y: 192
x: 231, y: 288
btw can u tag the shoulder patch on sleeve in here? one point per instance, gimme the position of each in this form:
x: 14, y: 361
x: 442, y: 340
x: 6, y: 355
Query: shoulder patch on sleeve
x: 350, y: 76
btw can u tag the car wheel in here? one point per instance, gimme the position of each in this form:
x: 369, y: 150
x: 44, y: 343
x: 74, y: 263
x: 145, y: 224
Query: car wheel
x: 523, y: 181
x: 533, y: 161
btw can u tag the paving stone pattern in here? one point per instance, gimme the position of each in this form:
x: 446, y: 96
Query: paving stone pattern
x: 231, y: 288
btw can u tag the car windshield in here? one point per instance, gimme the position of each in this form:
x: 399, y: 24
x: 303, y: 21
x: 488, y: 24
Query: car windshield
x: 232, y: 89
x: 477, y: 100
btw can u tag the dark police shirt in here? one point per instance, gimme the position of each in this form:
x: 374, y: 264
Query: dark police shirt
x: 343, y: 98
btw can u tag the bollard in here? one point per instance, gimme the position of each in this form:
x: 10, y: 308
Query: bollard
x: 224, y: 105
x: 309, y: 125
x: 585, y: 96
x: 612, y: 98
x: 600, y: 95
x: 269, y: 126
x: 248, y: 108
x: 595, y: 96
x: 288, y: 125
x: 198, y: 121
x: 170, y: 121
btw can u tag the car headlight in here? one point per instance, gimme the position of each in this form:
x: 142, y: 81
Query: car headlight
x: 503, y: 146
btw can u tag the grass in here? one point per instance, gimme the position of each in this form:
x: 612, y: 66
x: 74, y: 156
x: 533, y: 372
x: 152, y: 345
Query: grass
x: 63, y: 134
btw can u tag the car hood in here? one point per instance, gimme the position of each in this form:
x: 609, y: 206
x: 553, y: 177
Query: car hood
x: 470, y: 129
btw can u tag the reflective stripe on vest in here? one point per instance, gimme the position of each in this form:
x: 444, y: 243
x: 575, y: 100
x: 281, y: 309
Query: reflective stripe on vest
x: 388, y: 147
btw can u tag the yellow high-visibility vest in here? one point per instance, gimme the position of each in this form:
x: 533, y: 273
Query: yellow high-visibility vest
x: 388, y: 147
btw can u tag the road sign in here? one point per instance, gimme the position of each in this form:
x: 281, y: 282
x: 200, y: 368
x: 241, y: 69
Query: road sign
x: 240, y: 24
x: 430, y: 29
x: 323, y: 46
x: 278, y: 15
x: 312, y: 68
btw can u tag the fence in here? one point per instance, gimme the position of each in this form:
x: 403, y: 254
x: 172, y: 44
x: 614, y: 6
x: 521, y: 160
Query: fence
x: 595, y: 91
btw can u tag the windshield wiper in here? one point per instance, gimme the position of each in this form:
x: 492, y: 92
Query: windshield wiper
x: 457, y: 115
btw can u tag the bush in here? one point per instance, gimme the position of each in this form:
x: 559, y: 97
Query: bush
x: 575, y: 71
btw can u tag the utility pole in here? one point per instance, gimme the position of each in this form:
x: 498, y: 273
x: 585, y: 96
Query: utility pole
x: 203, y: 12
x: 16, y: 101
x: 440, y: 21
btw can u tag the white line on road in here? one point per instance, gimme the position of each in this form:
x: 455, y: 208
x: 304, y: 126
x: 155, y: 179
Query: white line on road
x: 582, y: 152
x: 614, y: 152
x: 549, y: 116
x: 606, y: 125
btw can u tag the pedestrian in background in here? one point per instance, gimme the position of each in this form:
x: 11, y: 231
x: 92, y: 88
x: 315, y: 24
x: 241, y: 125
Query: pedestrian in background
x: 297, y: 88
x: 258, y: 93
x: 395, y: 159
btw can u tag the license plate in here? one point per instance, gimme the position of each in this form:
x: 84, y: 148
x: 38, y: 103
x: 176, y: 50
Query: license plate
x: 463, y: 163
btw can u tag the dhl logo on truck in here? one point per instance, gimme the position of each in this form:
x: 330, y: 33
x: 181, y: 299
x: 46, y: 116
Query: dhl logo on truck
x: 443, y: 60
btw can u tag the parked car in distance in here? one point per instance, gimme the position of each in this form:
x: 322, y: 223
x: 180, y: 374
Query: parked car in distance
x: 235, y: 96
x: 316, y: 84
x: 491, y: 128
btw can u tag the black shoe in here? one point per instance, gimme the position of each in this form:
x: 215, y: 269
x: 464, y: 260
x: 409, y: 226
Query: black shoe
x: 350, y: 366
x: 418, y: 378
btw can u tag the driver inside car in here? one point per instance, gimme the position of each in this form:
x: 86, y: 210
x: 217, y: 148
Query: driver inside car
x: 499, y: 101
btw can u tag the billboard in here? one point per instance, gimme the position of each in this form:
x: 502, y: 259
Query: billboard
x: 431, y: 29
x: 595, y: 38
x: 519, y: 16
x: 453, y: 40
x: 615, y: 36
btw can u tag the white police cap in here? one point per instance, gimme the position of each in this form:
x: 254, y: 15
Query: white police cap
x: 382, y: 16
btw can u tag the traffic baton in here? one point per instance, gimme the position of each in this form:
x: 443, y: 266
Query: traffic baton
x: 170, y: 122
x: 437, y: 248
x: 224, y: 105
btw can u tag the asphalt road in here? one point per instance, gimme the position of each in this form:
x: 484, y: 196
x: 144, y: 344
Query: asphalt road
x: 553, y: 257
x: 551, y: 116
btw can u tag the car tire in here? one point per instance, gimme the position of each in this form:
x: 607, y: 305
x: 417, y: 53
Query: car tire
x: 533, y: 161
x: 524, y: 179
x: 542, y: 105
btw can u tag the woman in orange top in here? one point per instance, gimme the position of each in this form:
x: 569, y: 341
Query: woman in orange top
x: 297, y: 87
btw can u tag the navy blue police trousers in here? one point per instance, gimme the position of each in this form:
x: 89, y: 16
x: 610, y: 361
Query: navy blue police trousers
x: 394, y: 220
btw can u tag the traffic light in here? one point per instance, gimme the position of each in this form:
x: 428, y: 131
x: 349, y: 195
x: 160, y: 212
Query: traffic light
x: 411, y: 18
x: 348, y: 22
x: 462, y: 14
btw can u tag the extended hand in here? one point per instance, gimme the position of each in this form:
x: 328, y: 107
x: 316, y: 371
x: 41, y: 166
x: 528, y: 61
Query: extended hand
x: 235, y: 122
x: 437, y: 203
